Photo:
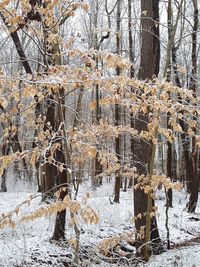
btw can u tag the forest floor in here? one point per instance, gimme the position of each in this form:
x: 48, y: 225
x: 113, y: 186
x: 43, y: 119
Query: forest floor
x: 29, y: 243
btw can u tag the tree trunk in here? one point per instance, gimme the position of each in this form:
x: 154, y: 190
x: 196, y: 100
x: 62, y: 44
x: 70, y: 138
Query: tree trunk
x: 5, y: 152
x: 149, y: 66
x: 49, y: 169
x: 117, y: 110
x: 131, y: 57
x: 169, y: 173
x: 169, y: 144
x: 194, y: 155
x: 59, y: 229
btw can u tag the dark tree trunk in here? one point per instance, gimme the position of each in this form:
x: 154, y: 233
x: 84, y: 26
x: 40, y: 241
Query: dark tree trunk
x: 169, y: 144
x: 63, y: 177
x: 117, y: 110
x: 150, y: 50
x: 59, y: 229
x: 194, y: 183
x: 131, y: 57
x: 5, y: 152
x: 3, y: 182
x: 192, y: 204
x: 149, y: 66
x: 98, y: 170
x: 15, y: 37
x: 169, y: 168
x: 169, y: 173
x: 130, y: 38
x: 98, y: 166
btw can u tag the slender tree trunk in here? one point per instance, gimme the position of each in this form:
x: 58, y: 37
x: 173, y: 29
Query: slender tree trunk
x: 20, y: 51
x: 5, y: 152
x: 130, y: 37
x: 169, y: 173
x: 77, y: 174
x: 189, y: 157
x: 169, y: 144
x: 117, y: 110
x: 49, y: 169
x: 98, y: 167
x: 96, y: 179
x: 184, y: 136
x: 131, y: 57
x: 172, y: 51
x: 194, y: 183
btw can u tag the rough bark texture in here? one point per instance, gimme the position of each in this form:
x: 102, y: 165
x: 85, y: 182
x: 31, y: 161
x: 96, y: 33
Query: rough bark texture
x: 149, y: 66
x: 150, y: 51
x: 59, y: 229
x: 56, y: 116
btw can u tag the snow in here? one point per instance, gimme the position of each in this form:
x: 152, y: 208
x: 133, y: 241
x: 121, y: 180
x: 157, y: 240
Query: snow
x: 29, y: 243
x: 184, y: 257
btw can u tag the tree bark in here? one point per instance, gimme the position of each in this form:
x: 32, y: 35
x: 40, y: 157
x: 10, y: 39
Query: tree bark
x: 5, y: 152
x: 169, y: 144
x: 117, y: 110
x: 149, y: 66
x: 194, y: 183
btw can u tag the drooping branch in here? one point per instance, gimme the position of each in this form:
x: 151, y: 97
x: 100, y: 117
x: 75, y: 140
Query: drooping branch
x: 107, y: 35
x: 15, y: 37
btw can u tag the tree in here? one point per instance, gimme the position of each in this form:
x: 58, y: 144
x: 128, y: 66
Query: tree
x: 117, y: 108
x: 194, y: 182
x: 149, y: 67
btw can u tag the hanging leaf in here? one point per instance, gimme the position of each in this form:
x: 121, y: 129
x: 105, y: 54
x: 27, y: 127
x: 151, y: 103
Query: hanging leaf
x: 93, y: 105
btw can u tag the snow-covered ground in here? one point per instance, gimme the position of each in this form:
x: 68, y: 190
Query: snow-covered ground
x: 29, y: 243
